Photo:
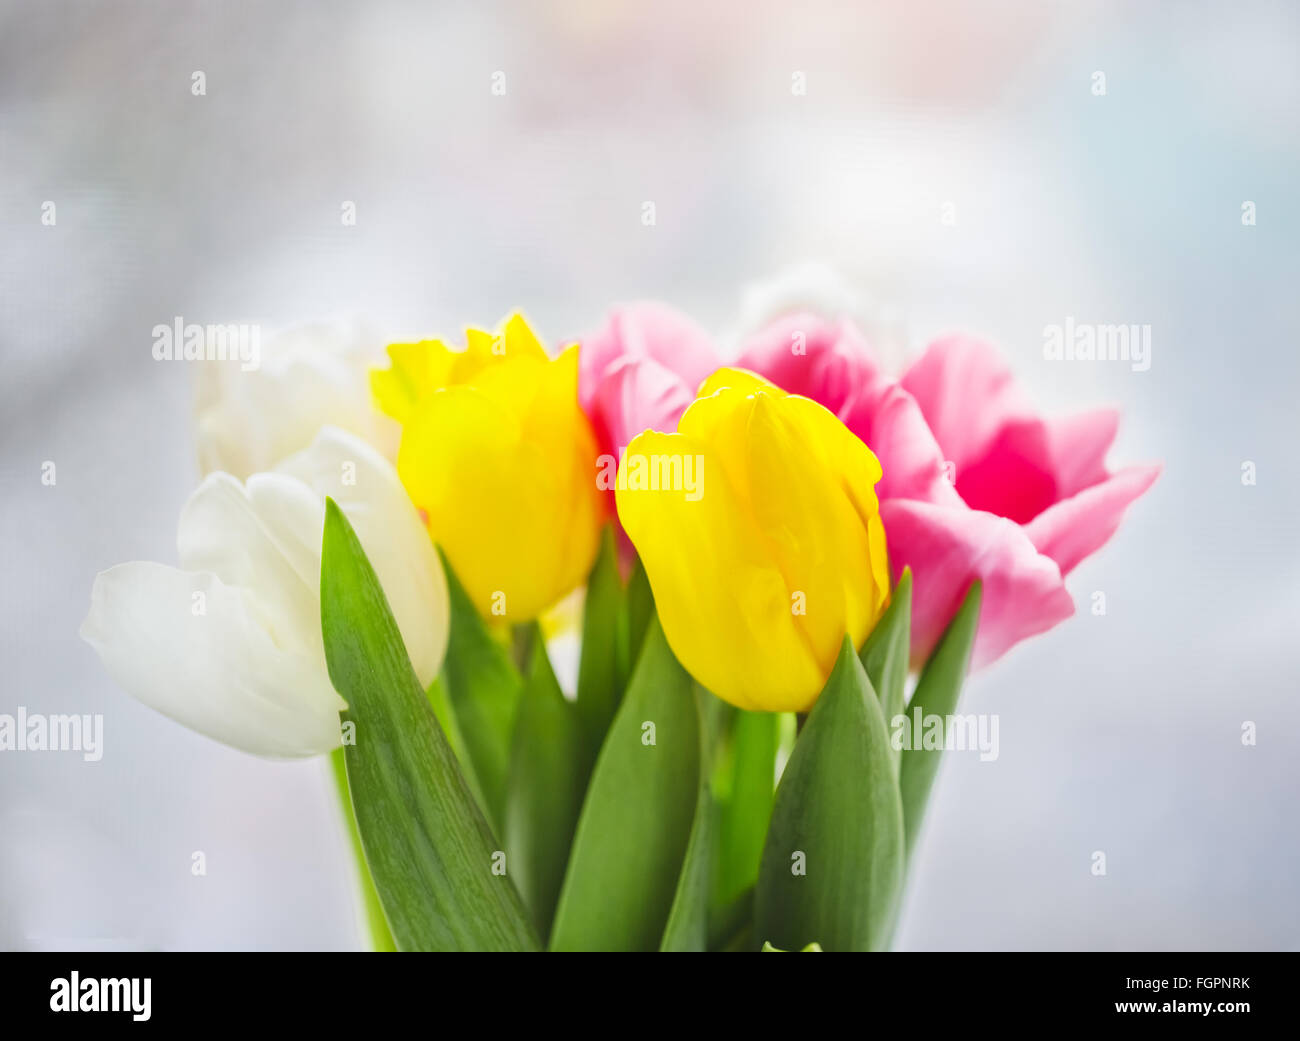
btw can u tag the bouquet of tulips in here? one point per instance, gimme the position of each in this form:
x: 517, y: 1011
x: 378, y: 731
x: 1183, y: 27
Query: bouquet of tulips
x: 772, y: 571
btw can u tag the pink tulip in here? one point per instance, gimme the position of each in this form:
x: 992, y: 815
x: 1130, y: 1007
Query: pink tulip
x: 975, y: 485
x: 641, y: 371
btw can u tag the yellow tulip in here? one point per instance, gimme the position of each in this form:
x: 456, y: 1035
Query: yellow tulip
x: 760, y: 532
x: 497, y: 453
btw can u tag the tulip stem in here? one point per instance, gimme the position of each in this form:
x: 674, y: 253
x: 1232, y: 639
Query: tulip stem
x: 522, y: 638
x: 381, y: 939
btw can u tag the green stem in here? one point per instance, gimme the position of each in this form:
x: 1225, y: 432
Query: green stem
x: 380, y: 938
x: 522, y: 638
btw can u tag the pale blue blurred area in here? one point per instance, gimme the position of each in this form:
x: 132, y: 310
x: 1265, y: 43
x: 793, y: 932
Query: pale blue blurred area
x: 1118, y: 733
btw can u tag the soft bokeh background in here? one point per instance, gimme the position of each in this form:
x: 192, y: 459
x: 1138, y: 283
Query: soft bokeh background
x: 1118, y: 733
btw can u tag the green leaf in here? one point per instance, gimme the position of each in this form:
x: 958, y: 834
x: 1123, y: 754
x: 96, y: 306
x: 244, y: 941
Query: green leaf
x: 937, y: 692
x: 441, y: 705
x: 688, y: 922
x: 381, y: 939
x: 639, y: 608
x: 769, y: 949
x: 544, y: 795
x: 730, y: 925
x: 885, y: 654
x: 636, y: 821
x: 426, y: 843
x: 483, y: 687
x: 745, y: 783
x: 716, y: 718
x: 838, y: 817
x: 603, y: 643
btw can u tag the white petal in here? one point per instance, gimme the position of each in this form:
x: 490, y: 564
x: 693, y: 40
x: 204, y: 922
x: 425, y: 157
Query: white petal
x: 308, y: 376
x: 366, y: 487
x: 217, y: 672
x: 264, y: 539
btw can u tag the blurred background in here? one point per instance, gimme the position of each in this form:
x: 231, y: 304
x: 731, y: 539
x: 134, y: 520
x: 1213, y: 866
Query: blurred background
x: 951, y: 160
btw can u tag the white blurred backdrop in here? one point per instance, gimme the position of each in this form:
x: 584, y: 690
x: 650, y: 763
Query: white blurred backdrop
x: 1119, y: 733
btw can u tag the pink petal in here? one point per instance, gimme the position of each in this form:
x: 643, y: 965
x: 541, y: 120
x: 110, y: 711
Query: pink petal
x: 947, y: 548
x: 828, y: 361
x: 889, y: 420
x: 1080, y: 525
x: 1078, y: 445
x: 837, y: 370
x: 967, y: 395
x: 1008, y: 459
x: 636, y: 394
x: 645, y: 330
x: 1012, y: 477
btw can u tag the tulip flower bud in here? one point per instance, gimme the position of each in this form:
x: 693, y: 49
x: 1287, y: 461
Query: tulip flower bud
x: 772, y: 552
x: 229, y: 643
x: 502, y: 461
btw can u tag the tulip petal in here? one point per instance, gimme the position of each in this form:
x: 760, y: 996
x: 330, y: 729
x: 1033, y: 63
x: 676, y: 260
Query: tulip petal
x: 1078, y: 445
x: 1009, y: 460
x: 967, y: 394
x: 957, y: 433
x: 230, y: 644
x: 476, y: 498
x: 217, y: 671
x: 733, y: 378
x: 811, y: 486
x: 367, y: 489
x: 831, y: 363
x: 889, y: 420
x: 645, y: 331
x: 947, y: 549
x: 724, y: 605
x: 264, y: 536
x: 637, y: 394
x: 506, y: 472
x: 519, y: 338
x: 1013, y: 476
x: 803, y: 483
x: 414, y: 371
x: 1032, y: 464
x: 1080, y: 525
x: 503, y: 463
x: 828, y: 361
x: 307, y: 376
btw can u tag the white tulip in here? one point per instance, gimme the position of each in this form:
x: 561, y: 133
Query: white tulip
x: 229, y: 643
x: 308, y: 376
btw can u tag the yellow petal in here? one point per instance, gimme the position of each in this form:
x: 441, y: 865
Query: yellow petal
x: 521, y: 340
x: 463, y: 463
x: 504, y: 468
x: 415, y: 371
x: 737, y: 379
x: 513, y: 341
x: 816, y: 534
x: 759, y: 581
x: 724, y: 606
